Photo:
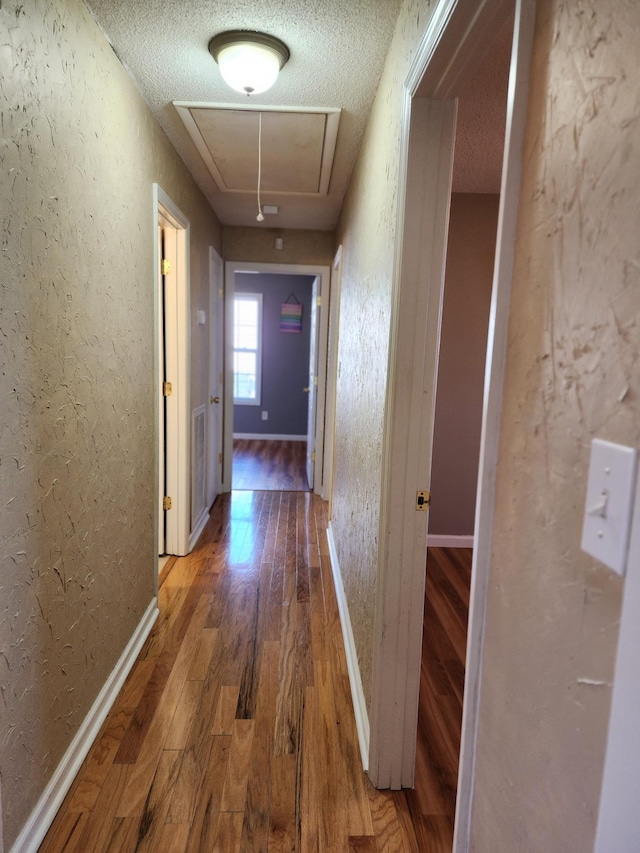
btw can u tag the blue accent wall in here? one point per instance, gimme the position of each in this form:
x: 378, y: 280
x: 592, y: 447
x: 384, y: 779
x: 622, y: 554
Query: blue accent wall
x: 285, y: 357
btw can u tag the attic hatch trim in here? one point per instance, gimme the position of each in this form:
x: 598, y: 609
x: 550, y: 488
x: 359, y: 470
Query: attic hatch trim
x: 332, y: 123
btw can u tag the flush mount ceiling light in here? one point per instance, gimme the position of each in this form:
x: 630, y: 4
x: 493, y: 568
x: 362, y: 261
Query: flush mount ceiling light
x: 249, y: 62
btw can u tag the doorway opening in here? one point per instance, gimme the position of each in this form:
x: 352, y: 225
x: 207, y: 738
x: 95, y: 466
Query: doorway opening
x: 463, y: 332
x: 456, y: 36
x: 277, y: 327
x: 172, y: 377
x: 216, y: 378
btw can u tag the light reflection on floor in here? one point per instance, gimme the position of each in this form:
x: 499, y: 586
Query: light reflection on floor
x: 242, y: 530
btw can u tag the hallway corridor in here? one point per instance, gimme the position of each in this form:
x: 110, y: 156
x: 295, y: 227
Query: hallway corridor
x: 235, y: 730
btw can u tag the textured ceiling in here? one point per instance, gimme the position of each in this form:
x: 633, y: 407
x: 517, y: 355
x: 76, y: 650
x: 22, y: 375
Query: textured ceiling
x: 482, y: 113
x: 337, y: 49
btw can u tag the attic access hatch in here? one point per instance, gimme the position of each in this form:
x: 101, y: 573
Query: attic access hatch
x: 298, y: 146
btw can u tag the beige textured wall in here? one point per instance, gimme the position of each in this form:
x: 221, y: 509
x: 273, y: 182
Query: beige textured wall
x: 258, y: 246
x: 463, y: 346
x: 572, y: 374
x: 366, y: 230
x: 78, y: 155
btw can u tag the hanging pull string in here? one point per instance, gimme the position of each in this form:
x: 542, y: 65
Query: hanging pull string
x: 259, y: 217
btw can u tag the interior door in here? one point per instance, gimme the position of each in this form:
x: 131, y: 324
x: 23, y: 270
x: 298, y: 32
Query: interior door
x: 312, y: 388
x: 172, y: 426
x: 162, y: 449
x: 216, y: 324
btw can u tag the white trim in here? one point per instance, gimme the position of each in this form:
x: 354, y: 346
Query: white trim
x: 269, y: 436
x: 332, y: 376
x: 494, y: 381
x: 178, y: 438
x: 355, y: 681
x: 43, y: 814
x: 423, y: 218
x: 618, y: 815
x: 198, y: 527
x: 216, y: 359
x: 437, y: 540
x: 322, y: 335
x: 319, y: 270
x: 407, y: 433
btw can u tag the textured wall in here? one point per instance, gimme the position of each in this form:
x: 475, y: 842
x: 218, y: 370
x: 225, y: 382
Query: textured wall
x: 463, y: 347
x: 258, y: 246
x: 78, y: 155
x: 285, y: 358
x: 367, y: 232
x: 572, y: 374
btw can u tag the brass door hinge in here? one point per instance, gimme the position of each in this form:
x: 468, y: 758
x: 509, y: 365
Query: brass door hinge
x: 166, y: 503
x: 423, y: 500
x: 165, y: 266
x: 167, y: 389
x: 319, y: 301
x: 313, y: 456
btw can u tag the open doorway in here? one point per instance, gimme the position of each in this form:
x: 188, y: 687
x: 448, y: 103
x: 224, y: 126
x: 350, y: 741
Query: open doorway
x: 172, y: 337
x: 464, y: 326
x: 456, y: 37
x: 274, y: 324
x: 277, y: 328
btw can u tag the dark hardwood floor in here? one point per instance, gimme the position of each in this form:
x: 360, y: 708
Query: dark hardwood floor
x: 432, y: 802
x: 270, y: 465
x: 234, y: 731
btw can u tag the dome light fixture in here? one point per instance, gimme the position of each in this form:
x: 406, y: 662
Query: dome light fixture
x: 249, y: 62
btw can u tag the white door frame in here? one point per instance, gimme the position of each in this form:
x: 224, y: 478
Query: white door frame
x: 159, y: 356
x: 312, y: 389
x: 454, y: 37
x: 178, y: 433
x: 323, y: 272
x: 332, y: 376
x: 216, y: 383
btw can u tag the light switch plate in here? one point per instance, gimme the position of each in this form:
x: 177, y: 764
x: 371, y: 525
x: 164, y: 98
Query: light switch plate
x: 609, y: 503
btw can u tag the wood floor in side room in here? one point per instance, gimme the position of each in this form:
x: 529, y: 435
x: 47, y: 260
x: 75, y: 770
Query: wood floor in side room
x: 235, y: 731
x: 432, y: 802
x: 270, y: 465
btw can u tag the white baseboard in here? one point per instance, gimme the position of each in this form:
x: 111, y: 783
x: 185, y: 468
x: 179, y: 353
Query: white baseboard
x: 198, y: 527
x: 435, y: 540
x: 267, y: 437
x: 42, y: 816
x: 357, y: 693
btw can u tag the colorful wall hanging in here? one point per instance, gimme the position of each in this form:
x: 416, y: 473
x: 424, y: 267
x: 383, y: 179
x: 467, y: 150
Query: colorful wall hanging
x: 291, y: 315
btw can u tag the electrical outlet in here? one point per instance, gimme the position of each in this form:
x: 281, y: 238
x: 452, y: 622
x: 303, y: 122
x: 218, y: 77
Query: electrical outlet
x: 265, y: 416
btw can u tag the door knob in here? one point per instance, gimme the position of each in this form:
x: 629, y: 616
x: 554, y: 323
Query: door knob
x: 215, y: 399
x: 306, y: 390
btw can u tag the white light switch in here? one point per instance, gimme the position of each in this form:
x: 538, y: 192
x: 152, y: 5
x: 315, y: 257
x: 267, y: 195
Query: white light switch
x: 609, y: 504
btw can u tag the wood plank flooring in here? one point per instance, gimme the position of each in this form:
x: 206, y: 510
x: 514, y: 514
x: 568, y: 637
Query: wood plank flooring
x: 235, y: 730
x: 270, y: 465
x: 432, y: 802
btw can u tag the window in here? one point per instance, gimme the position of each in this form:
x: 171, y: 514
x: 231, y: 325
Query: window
x: 247, y: 348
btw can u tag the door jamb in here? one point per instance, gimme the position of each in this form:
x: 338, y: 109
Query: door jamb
x: 455, y: 26
x: 492, y: 411
x: 332, y: 376
x: 215, y: 279
x: 323, y: 272
x: 177, y: 438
